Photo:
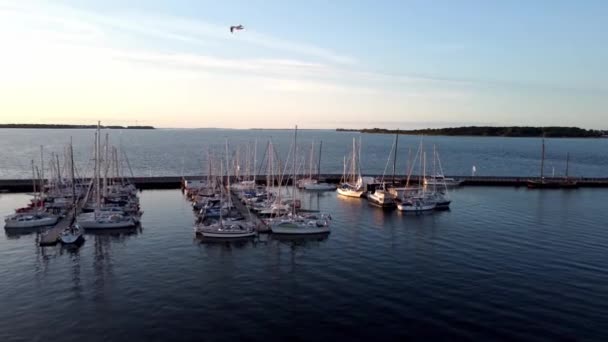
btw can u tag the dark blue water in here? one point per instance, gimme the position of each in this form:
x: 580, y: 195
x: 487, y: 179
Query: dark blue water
x: 165, y: 152
x: 503, y: 264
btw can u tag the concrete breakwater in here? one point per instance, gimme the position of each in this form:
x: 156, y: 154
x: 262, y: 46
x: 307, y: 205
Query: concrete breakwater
x: 176, y: 182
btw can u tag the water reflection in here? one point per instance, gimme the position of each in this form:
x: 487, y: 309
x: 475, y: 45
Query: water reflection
x: 227, y: 243
x: 16, y: 233
x: 73, y: 251
x: 300, y: 240
x: 116, y: 234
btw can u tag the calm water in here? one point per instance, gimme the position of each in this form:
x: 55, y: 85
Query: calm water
x: 504, y: 264
x: 165, y: 152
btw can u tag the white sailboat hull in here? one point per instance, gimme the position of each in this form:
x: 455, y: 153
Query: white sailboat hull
x: 224, y: 235
x: 415, y: 208
x: 350, y: 192
x: 106, y: 225
x: 41, y: 222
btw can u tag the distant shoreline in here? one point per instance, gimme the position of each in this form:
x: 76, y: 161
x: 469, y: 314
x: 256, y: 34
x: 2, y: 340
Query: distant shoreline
x: 51, y: 126
x: 488, y: 131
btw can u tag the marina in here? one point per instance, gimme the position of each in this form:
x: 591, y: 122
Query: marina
x: 250, y: 222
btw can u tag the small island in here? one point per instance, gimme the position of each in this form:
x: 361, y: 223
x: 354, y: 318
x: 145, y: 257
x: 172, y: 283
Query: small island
x: 489, y: 131
x: 61, y: 126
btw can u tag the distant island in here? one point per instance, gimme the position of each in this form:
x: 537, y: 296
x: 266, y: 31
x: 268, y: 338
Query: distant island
x: 50, y: 126
x: 488, y: 131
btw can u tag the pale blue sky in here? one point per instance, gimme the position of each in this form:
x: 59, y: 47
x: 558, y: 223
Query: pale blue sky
x: 319, y: 64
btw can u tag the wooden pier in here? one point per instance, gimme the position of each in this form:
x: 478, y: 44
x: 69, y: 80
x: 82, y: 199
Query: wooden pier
x: 176, y: 182
x: 51, y: 236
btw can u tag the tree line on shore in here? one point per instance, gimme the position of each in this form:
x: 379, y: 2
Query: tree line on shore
x: 490, y: 131
x: 61, y: 126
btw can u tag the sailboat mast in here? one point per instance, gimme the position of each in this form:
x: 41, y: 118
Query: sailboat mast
x: 255, y: 159
x: 344, y: 170
x: 395, y: 155
x: 542, y: 160
x: 58, y: 170
x: 312, y: 152
x: 353, y: 162
x: 420, y: 180
x: 97, y: 171
x: 319, y: 163
x: 34, y: 181
x: 72, y: 173
x: 293, y: 180
x: 434, y: 176
x: 227, y: 177
x: 424, y: 171
x: 359, y: 160
x: 567, y: 162
x: 106, y: 165
x: 41, y: 168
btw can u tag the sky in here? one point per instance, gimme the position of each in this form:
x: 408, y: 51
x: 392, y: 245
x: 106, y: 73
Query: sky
x: 318, y: 64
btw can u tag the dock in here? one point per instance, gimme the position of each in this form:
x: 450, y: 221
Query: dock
x: 259, y: 224
x: 176, y: 182
x: 51, y: 236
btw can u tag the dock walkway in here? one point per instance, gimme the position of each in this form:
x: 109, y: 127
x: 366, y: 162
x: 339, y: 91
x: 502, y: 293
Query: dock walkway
x: 175, y: 182
x: 51, y: 236
x: 259, y: 224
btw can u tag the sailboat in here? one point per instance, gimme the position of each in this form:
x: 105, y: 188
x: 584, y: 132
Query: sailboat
x: 421, y: 198
x: 226, y: 226
x: 295, y: 223
x: 544, y: 183
x: 34, y: 216
x: 315, y: 184
x: 381, y: 196
x: 99, y: 219
x: 352, y: 185
x: 73, y: 233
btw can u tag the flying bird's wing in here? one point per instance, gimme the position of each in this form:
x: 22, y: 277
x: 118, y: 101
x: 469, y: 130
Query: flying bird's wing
x: 232, y: 29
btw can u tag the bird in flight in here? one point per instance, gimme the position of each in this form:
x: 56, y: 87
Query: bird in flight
x: 238, y: 27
